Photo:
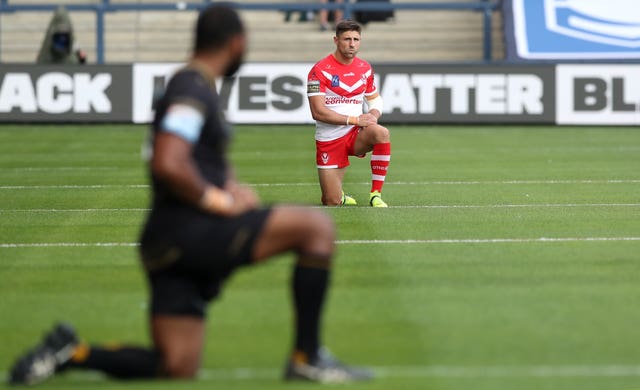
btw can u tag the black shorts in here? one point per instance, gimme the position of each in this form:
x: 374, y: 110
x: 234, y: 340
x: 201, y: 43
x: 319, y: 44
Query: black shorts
x: 188, y: 256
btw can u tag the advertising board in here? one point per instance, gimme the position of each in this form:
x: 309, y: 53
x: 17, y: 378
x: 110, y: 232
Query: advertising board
x: 572, y: 29
x: 467, y: 94
x: 65, y: 93
x: 598, y: 94
x: 276, y: 93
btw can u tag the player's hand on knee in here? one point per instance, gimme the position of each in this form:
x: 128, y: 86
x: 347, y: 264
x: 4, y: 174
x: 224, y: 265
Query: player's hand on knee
x: 367, y: 119
x: 229, y: 202
x: 244, y: 199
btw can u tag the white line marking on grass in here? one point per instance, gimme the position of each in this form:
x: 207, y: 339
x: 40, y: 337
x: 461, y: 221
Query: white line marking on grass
x: 68, y: 244
x: 405, y: 183
x: 507, y: 206
x: 489, y: 240
x: 537, y: 371
x: 349, y: 242
x: 437, y: 371
x: 471, y: 182
x: 510, y: 371
x: 133, y: 209
x: 38, y: 169
x: 73, y: 186
x: 494, y: 182
x: 287, y: 184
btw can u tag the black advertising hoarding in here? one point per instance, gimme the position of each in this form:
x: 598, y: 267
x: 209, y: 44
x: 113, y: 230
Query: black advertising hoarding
x: 467, y: 93
x: 582, y: 94
x: 35, y: 93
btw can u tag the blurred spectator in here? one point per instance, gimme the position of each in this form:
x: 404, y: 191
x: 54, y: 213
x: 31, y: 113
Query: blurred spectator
x: 364, y: 17
x: 324, y: 15
x: 57, y: 47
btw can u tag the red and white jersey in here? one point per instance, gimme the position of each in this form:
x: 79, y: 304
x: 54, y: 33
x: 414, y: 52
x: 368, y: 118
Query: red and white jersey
x: 344, y: 88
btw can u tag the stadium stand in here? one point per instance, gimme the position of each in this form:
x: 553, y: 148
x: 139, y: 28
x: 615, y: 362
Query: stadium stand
x: 161, y: 36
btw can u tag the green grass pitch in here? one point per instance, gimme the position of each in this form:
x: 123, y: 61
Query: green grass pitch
x: 509, y: 258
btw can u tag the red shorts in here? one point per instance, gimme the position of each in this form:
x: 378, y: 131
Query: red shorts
x: 335, y: 153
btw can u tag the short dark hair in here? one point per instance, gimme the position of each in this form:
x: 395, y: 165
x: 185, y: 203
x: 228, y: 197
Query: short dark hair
x: 216, y: 25
x: 347, y: 25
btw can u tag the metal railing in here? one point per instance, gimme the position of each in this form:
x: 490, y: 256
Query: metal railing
x: 487, y: 7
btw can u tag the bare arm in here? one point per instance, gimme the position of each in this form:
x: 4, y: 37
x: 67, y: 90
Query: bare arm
x: 172, y: 164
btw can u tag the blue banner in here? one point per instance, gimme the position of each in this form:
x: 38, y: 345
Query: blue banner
x: 572, y: 29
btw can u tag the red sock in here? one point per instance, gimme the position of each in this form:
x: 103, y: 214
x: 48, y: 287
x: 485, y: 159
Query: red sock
x: 379, y: 163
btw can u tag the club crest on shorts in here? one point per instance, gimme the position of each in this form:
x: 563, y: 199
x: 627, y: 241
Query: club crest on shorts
x: 325, y: 157
x: 335, y: 81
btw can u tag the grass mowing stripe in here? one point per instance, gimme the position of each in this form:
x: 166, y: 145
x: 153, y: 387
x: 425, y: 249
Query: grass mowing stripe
x: 472, y: 182
x: 507, y: 206
x: 67, y: 244
x: 538, y: 371
x: 353, y: 242
x: 453, y: 372
x: 73, y: 187
x: 491, y: 240
x: 91, y: 210
x: 486, y: 316
x: 453, y: 206
x: 303, y: 184
x: 44, y: 169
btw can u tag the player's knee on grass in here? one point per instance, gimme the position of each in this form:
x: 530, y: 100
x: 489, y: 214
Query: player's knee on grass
x: 332, y: 200
x: 331, y: 197
x: 180, y: 361
x: 181, y: 365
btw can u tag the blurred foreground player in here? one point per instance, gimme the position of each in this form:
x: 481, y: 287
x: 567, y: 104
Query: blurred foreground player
x: 337, y: 87
x: 202, y: 227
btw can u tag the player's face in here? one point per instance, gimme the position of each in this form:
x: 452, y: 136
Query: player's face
x: 348, y: 43
x: 238, y: 47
